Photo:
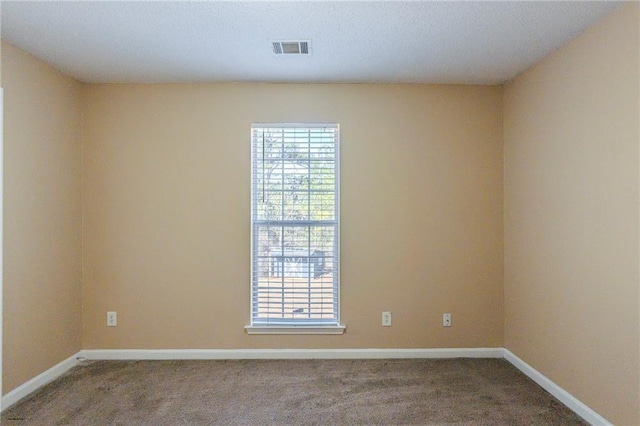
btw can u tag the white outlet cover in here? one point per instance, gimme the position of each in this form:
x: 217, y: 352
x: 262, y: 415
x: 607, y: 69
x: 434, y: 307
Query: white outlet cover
x: 386, y: 319
x: 446, y: 320
x: 112, y: 319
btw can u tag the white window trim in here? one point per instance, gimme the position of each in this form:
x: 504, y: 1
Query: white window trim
x: 280, y: 329
x: 295, y: 329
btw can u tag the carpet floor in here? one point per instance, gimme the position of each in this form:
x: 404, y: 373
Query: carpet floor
x: 292, y: 392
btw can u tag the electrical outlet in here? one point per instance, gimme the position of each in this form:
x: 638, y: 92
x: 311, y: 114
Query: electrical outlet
x: 446, y: 320
x: 112, y: 319
x: 386, y: 319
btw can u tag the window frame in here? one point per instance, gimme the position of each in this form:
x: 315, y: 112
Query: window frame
x: 304, y: 327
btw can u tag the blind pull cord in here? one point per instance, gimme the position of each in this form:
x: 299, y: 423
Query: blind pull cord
x: 263, y: 160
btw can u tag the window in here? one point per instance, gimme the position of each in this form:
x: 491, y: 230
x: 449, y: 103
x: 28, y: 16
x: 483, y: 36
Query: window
x: 295, y: 229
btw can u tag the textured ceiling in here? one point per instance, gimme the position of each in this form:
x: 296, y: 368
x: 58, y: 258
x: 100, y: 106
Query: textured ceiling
x: 351, y: 41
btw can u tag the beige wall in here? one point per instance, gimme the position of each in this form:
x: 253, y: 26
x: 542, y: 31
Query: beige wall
x: 572, y: 218
x: 42, y: 217
x: 167, y: 197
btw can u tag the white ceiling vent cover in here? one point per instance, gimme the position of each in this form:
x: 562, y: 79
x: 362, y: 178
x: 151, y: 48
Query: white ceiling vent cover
x: 291, y: 47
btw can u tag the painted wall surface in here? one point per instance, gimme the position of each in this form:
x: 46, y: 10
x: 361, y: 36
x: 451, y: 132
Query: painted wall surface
x: 167, y: 212
x: 572, y: 217
x: 42, y: 216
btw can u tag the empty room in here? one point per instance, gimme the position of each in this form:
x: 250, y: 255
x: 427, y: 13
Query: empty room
x: 320, y: 212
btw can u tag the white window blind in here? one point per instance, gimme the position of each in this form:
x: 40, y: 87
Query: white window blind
x: 295, y: 225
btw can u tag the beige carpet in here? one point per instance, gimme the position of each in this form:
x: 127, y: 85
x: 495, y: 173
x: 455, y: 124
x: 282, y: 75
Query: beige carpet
x: 292, y: 392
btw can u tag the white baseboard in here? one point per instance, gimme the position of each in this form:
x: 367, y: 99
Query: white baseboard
x: 39, y: 381
x: 562, y: 395
x: 168, y: 354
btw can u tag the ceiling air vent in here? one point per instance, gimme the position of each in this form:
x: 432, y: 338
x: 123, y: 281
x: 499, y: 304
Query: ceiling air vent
x: 291, y: 47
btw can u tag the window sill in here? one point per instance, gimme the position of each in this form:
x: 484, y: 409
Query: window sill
x: 295, y: 329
